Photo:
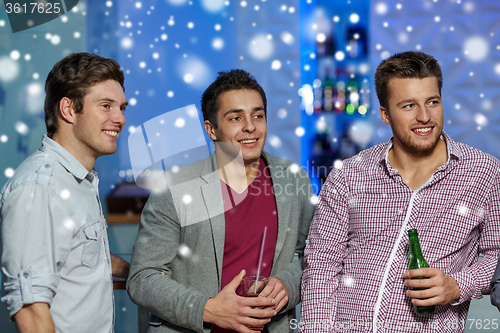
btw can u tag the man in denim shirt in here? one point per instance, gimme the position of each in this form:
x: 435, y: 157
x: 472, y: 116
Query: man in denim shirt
x: 55, y: 260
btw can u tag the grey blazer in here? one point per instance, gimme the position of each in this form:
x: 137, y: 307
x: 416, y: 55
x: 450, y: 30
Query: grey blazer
x: 177, y: 258
x: 495, y: 287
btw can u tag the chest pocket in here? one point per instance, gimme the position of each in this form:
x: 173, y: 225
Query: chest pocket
x: 92, y: 252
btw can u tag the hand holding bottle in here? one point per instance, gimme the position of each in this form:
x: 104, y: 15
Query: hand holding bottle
x: 439, y: 287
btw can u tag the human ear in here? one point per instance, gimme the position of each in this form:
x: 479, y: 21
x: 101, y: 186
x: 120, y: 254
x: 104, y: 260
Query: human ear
x: 210, y: 130
x: 67, y: 109
x: 384, y: 114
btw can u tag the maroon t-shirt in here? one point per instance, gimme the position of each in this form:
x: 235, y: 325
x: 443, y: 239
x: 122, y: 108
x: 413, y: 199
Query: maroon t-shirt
x: 246, y: 215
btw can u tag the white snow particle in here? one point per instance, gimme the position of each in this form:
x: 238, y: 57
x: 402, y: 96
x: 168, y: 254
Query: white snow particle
x: 275, y: 65
x: 218, y: 43
x: 381, y: 8
x: 339, y: 55
x: 354, y: 18
x: 188, y: 78
x: 187, y: 199
x: 180, y: 122
x: 21, y: 128
x: 480, y: 119
x: 300, y: 131
x: 15, y: 54
x: 185, y: 251
x: 463, y: 210
x: 65, y: 194
x: 275, y: 141
x: 9, y: 172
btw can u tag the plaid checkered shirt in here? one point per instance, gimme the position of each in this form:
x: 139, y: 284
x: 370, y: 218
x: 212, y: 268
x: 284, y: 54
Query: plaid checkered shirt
x: 357, y: 249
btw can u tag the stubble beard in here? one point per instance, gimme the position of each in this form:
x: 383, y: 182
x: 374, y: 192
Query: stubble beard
x: 414, y: 149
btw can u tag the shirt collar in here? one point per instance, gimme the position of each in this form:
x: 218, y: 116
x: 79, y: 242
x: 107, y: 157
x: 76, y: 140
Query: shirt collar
x: 68, y: 161
x: 453, y: 151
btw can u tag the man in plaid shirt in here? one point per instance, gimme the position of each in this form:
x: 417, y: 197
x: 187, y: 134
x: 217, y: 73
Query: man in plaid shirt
x: 356, y: 276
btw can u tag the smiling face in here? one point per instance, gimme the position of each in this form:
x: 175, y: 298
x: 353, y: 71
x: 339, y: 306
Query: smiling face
x: 97, y: 126
x: 415, y: 114
x: 241, y: 120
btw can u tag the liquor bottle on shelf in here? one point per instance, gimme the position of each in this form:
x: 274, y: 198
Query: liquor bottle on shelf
x: 365, y: 96
x: 339, y: 102
x: 353, y: 93
x: 328, y: 91
x: 318, y: 96
x: 326, y: 47
x: 357, y: 41
x: 325, y: 40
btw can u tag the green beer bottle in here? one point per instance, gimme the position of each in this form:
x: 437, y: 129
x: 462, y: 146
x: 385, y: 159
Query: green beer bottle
x: 417, y: 261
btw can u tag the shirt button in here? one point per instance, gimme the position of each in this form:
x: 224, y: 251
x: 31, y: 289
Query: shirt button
x: 47, y: 165
x: 26, y: 274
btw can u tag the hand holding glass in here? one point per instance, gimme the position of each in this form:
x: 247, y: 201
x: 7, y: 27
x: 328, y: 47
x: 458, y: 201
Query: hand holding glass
x: 252, y: 286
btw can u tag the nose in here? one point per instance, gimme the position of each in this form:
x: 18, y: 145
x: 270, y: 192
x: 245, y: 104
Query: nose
x: 423, y: 115
x: 119, y: 118
x: 249, y: 126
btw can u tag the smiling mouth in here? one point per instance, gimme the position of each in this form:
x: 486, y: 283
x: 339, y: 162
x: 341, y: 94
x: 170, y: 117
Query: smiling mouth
x: 248, y: 141
x: 112, y: 133
x: 422, y: 130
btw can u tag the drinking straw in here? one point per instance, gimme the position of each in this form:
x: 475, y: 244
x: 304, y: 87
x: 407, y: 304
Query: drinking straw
x: 260, y: 257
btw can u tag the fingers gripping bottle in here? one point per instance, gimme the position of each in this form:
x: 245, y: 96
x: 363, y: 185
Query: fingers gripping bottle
x: 417, y: 261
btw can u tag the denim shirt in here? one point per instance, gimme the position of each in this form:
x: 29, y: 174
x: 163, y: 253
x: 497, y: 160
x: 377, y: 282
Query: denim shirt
x: 54, y: 244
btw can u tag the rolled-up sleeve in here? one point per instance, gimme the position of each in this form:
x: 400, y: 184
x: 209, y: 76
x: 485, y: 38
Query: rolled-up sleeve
x: 36, y: 237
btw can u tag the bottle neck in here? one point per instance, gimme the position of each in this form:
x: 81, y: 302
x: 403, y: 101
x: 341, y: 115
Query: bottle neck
x: 415, y: 249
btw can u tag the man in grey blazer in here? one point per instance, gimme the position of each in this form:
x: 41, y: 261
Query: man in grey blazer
x: 200, y: 231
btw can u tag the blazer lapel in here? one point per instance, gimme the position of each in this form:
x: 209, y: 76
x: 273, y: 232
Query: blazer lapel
x: 283, y: 206
x: 212, y: 195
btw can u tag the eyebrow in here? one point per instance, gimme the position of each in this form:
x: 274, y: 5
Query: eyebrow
x: 257, y: 108
x: 434, y: 97
x: 412, y: 100
x: 110, y: 100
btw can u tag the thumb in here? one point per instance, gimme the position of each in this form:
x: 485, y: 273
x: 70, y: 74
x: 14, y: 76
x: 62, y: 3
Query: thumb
x: 235, y: 282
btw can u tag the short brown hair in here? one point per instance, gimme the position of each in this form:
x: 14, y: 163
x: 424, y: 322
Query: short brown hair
x: 236, y: 79
x: 72, y: 77
x: 405, y: 65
